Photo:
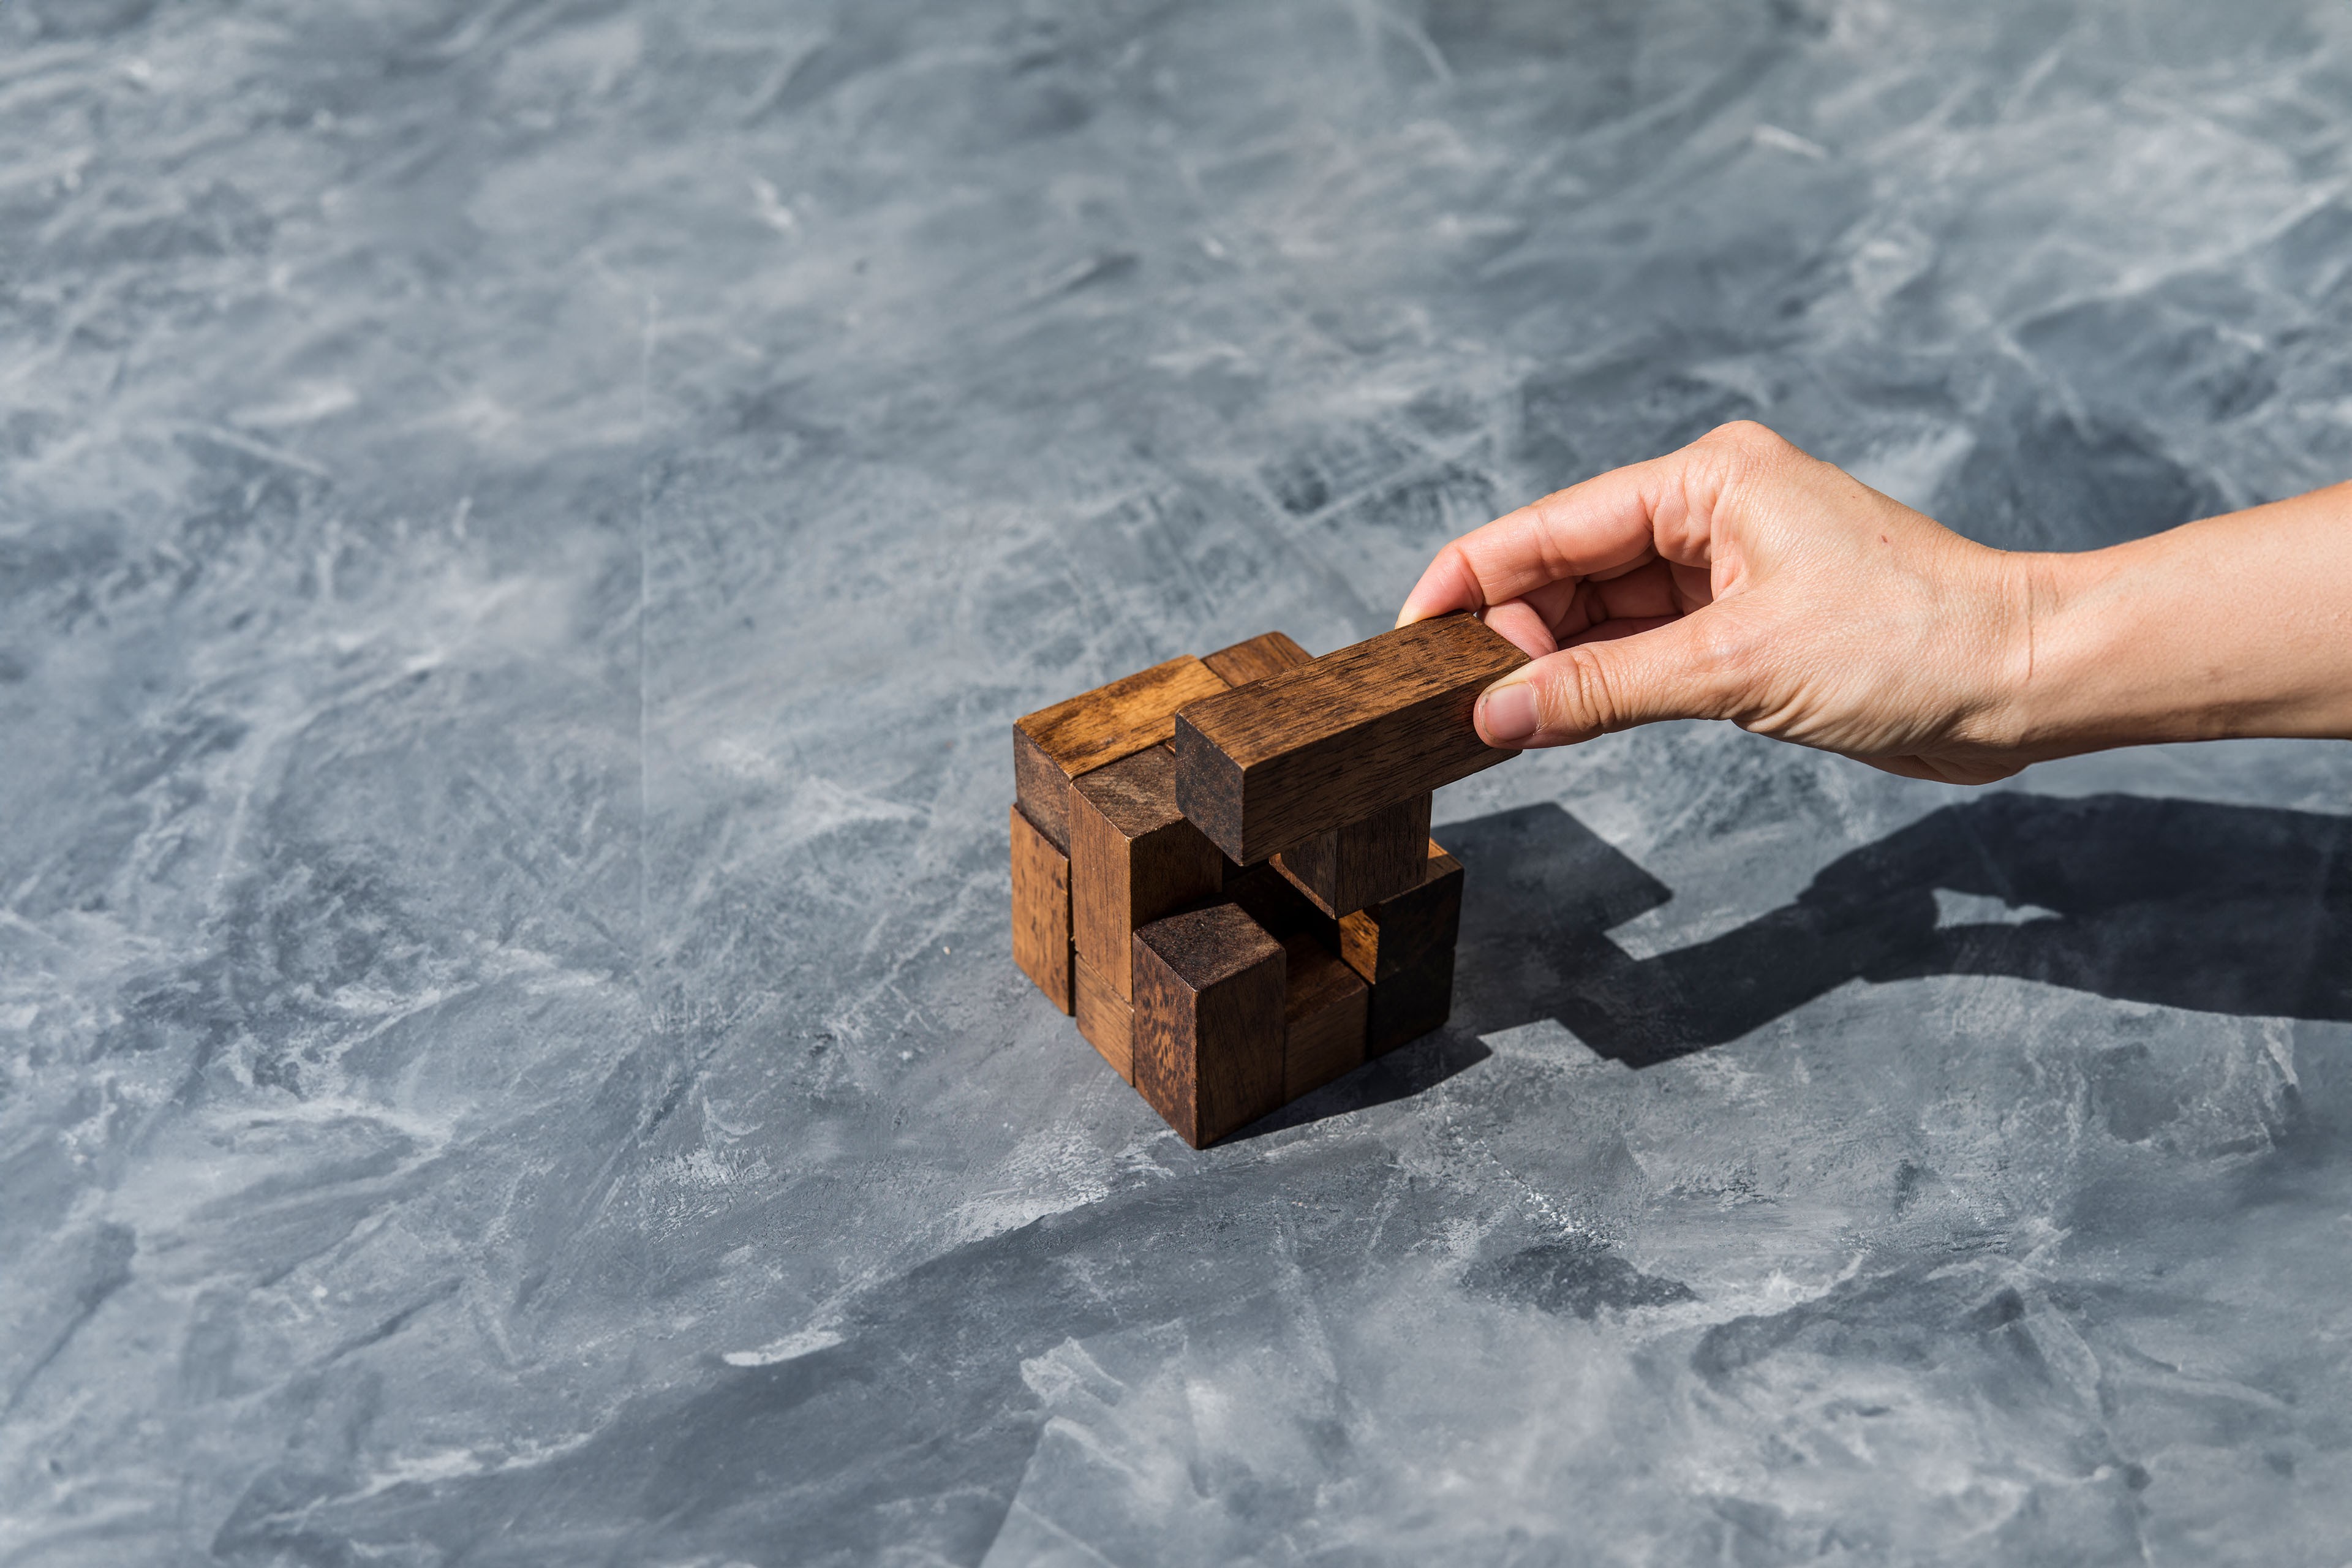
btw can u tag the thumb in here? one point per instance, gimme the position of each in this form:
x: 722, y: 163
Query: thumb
x: 1669, y: 672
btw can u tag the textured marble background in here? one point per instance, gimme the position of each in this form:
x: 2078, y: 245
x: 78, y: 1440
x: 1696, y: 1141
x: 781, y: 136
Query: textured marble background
x: 522, y: 527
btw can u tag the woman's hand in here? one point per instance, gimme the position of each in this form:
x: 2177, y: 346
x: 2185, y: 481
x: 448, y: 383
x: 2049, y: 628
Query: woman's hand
x: 1741, y: 579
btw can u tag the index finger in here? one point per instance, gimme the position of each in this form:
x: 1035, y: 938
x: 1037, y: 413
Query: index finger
x: 1608, y: 523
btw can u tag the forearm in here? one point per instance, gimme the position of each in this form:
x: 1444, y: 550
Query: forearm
x: 2237, y: 625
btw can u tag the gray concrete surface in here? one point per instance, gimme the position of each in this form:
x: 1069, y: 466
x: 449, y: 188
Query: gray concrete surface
x: 522, y: 527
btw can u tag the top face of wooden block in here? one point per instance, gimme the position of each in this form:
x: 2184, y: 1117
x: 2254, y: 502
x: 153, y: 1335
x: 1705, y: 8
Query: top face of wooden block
x: 1355, y: 686
x: 1136, y: 794
x: 1268, y: 653
x: 1119, y: 720
x: 1204, y: 946
x: 1316, y: 976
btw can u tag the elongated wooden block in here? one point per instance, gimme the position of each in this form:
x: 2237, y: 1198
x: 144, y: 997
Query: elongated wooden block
x: 1405, y: 947
x: 1268, y: 653
x: 1348, y: 869
x: 1054, y: 745
x: 1325, y: 1012
x: 1133, y: 858
x: 1209, y: 1021
x: 1041, y: 911
x: 1263, y: 766
x: 1106, y: 1019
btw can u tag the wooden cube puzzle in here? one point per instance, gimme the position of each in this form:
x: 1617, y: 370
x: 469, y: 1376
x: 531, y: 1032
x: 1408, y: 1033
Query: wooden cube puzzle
x: 1222, y: 867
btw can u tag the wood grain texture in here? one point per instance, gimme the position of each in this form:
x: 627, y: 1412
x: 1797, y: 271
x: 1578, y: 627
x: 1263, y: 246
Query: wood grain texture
x: 1133, y: 858
x: 1326, y: 1013
x: 1106, y: 1019
x: 1263, y: 766
x: 1348, y: 868
x: 1040, y: 790
x: 1209, y: 1021
x: 1054, y: 745
x: 1041, y: 911
x: 1268, y: 653
x: 1405, y: 947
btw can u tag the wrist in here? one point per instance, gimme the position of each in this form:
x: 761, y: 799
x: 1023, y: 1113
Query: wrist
x: 2112, y: 654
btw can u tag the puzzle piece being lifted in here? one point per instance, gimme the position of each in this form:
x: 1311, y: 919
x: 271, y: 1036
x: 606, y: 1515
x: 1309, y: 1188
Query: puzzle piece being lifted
x: 1223, y: 866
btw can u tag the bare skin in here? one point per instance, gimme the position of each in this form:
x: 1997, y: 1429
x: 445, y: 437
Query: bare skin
x: 1741, y: 579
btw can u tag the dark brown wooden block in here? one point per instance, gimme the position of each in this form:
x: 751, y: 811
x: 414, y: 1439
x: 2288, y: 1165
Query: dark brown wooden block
x: 1409, y: 1004
x: 1325, y: 1015
x: 1041, y: 911
x: 1054, y: 745
x: 1268, y: 653
x: 1263, y: 766
x: 1351, y: 868
x: 1209, y: 1021
x: 1269, y: 899
x: 1133, y: 858
x: 1405, y: 947
x: 1106, y: 1019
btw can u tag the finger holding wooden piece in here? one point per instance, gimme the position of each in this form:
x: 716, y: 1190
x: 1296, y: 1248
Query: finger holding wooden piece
x: 1264, y: 766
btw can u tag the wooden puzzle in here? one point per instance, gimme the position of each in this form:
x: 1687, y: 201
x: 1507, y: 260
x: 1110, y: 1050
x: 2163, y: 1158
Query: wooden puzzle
x: 1222, y: 867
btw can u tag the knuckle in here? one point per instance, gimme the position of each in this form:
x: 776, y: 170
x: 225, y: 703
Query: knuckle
x: 1735, y: 665
x: 1747, y: 439
x: 1729, y: 463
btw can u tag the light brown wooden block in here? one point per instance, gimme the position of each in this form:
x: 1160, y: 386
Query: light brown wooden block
x: 1209, y: 1021
x: 1054, y: 745
x: 1133, y: 858
x: 1325, y: 1014
x: 1268, y: 653
x: 1106, y: 1019
x: 1405, y: 947
x: 1351, y: 868
x: 1263, y: 766
x: 1041, y: 911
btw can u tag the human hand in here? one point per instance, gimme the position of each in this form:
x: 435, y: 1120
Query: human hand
x: 1741, y: 579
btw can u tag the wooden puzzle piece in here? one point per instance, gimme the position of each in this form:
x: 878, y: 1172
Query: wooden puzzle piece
x: 1106, y: 1019
x: 1403, y: 947
x: 1345, y: 867
x: 1325, y: 1012
x: 1247, y: 914
x: 1209, y: 1021
x: 1041, y: 911
x: 1054, y: 745
x: 1133, y: 858
x: 1264, y: 766
x: 1268, y: 653
x: 1344, y: 870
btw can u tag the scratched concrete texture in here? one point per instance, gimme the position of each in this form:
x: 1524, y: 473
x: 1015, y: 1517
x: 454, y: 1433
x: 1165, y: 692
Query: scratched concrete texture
x: 522, y: 530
